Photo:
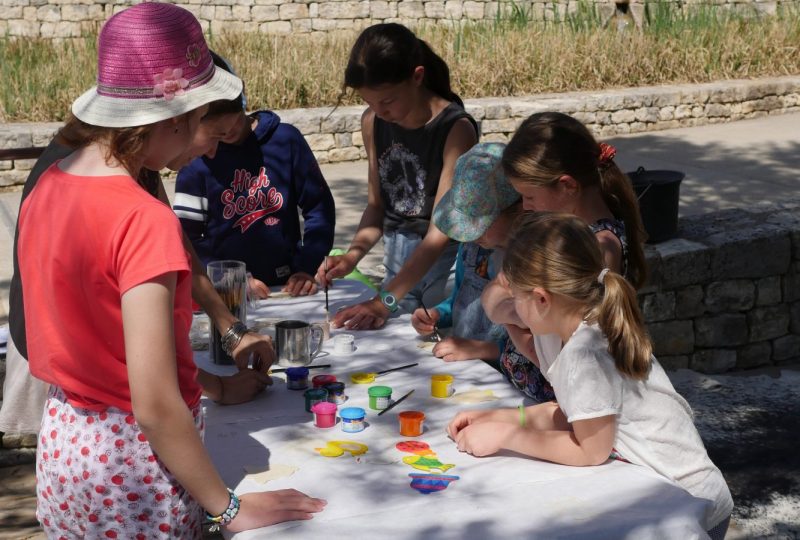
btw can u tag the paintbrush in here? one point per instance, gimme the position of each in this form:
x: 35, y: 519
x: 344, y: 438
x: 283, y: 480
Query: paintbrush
x: 395, y: 403
x: 281, y: 370
x: 327, y: 310
x: 436, y: 334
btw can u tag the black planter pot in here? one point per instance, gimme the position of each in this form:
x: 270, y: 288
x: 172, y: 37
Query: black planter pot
x: 659, y: 193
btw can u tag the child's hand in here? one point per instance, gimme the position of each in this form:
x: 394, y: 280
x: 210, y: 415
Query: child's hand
x: 369, y: 315
x: 484, y: 438
x: 300, y: 284
x: 423, y: 323
x: 464, y: 419
x: 243, y: 386
x: 256, y: 288
x: 271, y: 507
x: 335, y: 266
x: 452, y: 349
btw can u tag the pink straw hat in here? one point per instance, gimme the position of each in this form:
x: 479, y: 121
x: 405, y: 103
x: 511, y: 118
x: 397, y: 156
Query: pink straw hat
x: 152, y: 64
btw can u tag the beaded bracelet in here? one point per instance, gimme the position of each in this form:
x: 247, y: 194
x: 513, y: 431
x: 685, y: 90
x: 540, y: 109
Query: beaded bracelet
x: 227, y: 516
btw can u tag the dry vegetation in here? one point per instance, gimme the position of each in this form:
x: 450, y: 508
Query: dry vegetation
x: 510, y: 56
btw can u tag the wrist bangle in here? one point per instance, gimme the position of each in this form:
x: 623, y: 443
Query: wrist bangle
x: 227, y: 516
x: 521, y: 415
x: 232, y: 337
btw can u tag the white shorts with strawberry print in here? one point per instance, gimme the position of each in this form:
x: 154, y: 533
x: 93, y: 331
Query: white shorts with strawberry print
x: 97, y: 477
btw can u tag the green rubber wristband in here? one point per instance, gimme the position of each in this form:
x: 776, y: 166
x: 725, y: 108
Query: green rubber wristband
x: 521, y: 415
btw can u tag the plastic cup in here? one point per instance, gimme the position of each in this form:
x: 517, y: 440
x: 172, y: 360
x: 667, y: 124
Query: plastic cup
x: 324, y: 414
x: 297, y: 378
x: 411, y: 423
x: 336, y: 392
x: 379, y: 397
x: 441, y: 385
x: 344, y: 344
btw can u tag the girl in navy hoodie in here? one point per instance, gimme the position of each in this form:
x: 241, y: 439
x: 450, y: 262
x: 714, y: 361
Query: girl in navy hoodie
x: 241, y: 202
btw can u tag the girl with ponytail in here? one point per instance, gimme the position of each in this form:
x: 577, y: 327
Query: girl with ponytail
x: 614, y: 401
x: 414, y: 131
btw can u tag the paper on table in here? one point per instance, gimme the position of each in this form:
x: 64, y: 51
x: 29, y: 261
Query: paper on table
x: 262, y: 475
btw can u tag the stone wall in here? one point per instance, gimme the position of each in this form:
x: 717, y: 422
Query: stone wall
x: 336, y: 135
x: 72, y: 18
x: 725, y: 294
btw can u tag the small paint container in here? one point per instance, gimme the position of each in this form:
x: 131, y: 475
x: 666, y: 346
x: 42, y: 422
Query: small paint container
x: 321, y: 380
x: 297, y: 378
x: 411, y: 423
x: 336, y: 392
x: 353, y: 419
x: 314, y: 396
x: 379, y: 397
x: 324, y: 414
x: 344, y: 344
x: 441, y: 385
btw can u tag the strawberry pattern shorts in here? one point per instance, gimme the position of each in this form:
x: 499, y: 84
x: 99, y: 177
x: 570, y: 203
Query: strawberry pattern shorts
x: 97, y: 477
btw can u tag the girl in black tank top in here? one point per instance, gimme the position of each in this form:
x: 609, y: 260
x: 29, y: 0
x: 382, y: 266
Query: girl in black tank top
x: 414, y: 130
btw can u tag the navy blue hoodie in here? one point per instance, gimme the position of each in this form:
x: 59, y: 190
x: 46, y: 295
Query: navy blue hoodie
x: 243, y: 204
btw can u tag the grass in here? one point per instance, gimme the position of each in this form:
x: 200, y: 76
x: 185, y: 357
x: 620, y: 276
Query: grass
x: 514, y: 54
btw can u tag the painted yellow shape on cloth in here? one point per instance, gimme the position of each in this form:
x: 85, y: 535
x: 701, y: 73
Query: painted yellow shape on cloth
x: 338, y: 448
x: 427, y: 463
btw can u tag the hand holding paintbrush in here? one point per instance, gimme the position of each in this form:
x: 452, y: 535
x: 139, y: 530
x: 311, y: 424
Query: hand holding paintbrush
x: 436, y: 335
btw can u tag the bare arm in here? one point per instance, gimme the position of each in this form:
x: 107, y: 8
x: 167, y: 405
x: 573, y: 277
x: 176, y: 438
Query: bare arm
x: 204, y: 293
x: 372, y: 314
x: 164, y: 418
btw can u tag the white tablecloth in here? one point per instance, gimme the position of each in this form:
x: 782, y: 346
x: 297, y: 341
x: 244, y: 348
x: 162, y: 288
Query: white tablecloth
x: 496, y: 497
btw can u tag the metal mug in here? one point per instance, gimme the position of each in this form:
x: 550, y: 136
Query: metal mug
x: 293, y: 342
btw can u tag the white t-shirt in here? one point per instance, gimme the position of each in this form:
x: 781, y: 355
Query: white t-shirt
x: 654, y: 423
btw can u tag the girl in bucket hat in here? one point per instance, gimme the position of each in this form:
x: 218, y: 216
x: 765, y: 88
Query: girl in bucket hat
x: 478, y: 212
x: 107, y: 297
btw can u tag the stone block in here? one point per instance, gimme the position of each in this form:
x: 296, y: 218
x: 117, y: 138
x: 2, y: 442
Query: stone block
x: 223, y: 13
x: 759, y: 251
x: 343, y: 140
x: 241, y: 13
x: 683, y: 262
x: 22, y: 28
x: 20, y: 440
x: 454, y: 9
x: 434, y: 10
x: 646, y: 114
x: 509, y: 125
x: 673, y: 363
x: 791, y: 284
x: 13, y: 177
x: 495, y: 137
x: 794, y: 313
x: 301, y: 26
x: 714, y: 360
x: 724, y: 330
x: 276, y: 27
x: 410, y: 9
x: 768, y: 322
x: 753, y: 355
x: 320, y: 141
x: 689, y: 302
x: 768, y: 291
x: 672, y: 337
x: 623, y: 117
x: 344, y: 154
x: 731, y: 295
x: 24, y: 164
x: 293, y: 11
x: 383, y: 10
x: 6, y: 165
x: 473, y: 10
x: 323, y: 25
x: 658, y: 307
x: 46, y: 13
x: 786, y: 348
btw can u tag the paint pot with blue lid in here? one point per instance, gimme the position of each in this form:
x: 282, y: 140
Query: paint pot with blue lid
x: 297, y: 378
x: 353, y: 419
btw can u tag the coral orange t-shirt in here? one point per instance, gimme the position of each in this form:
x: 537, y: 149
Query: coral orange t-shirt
x: 83, y: 242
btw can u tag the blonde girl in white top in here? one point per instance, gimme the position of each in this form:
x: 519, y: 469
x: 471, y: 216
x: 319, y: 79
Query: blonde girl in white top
x: 613, y: 398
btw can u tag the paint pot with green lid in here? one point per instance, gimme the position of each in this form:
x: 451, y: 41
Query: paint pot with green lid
x: 314, y: 396
x: 379, y: 397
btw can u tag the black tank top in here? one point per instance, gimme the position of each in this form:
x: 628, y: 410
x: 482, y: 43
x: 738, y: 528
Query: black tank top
x: 409, y: 166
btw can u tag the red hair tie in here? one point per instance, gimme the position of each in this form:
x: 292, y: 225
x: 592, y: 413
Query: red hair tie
x: 607, y: 154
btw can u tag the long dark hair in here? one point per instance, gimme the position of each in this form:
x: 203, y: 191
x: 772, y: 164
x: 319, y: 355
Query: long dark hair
x: 388, y: 53
x: 549, y: 145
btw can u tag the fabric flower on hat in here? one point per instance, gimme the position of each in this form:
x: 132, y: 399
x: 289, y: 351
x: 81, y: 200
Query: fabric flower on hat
x: 193, y: 54
x: 170, y: 83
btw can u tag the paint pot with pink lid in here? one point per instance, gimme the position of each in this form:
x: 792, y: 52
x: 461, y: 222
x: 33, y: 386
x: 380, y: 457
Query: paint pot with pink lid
x: 324, y: 414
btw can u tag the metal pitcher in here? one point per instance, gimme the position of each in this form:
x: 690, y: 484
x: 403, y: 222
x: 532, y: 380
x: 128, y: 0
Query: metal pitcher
x: 294, y: 340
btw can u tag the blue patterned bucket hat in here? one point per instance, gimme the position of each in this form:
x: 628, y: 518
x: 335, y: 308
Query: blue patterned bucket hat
x: 479, y: 194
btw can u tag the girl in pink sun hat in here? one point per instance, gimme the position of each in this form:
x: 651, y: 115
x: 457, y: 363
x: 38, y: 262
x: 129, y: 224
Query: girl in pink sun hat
x: 107, y: 284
